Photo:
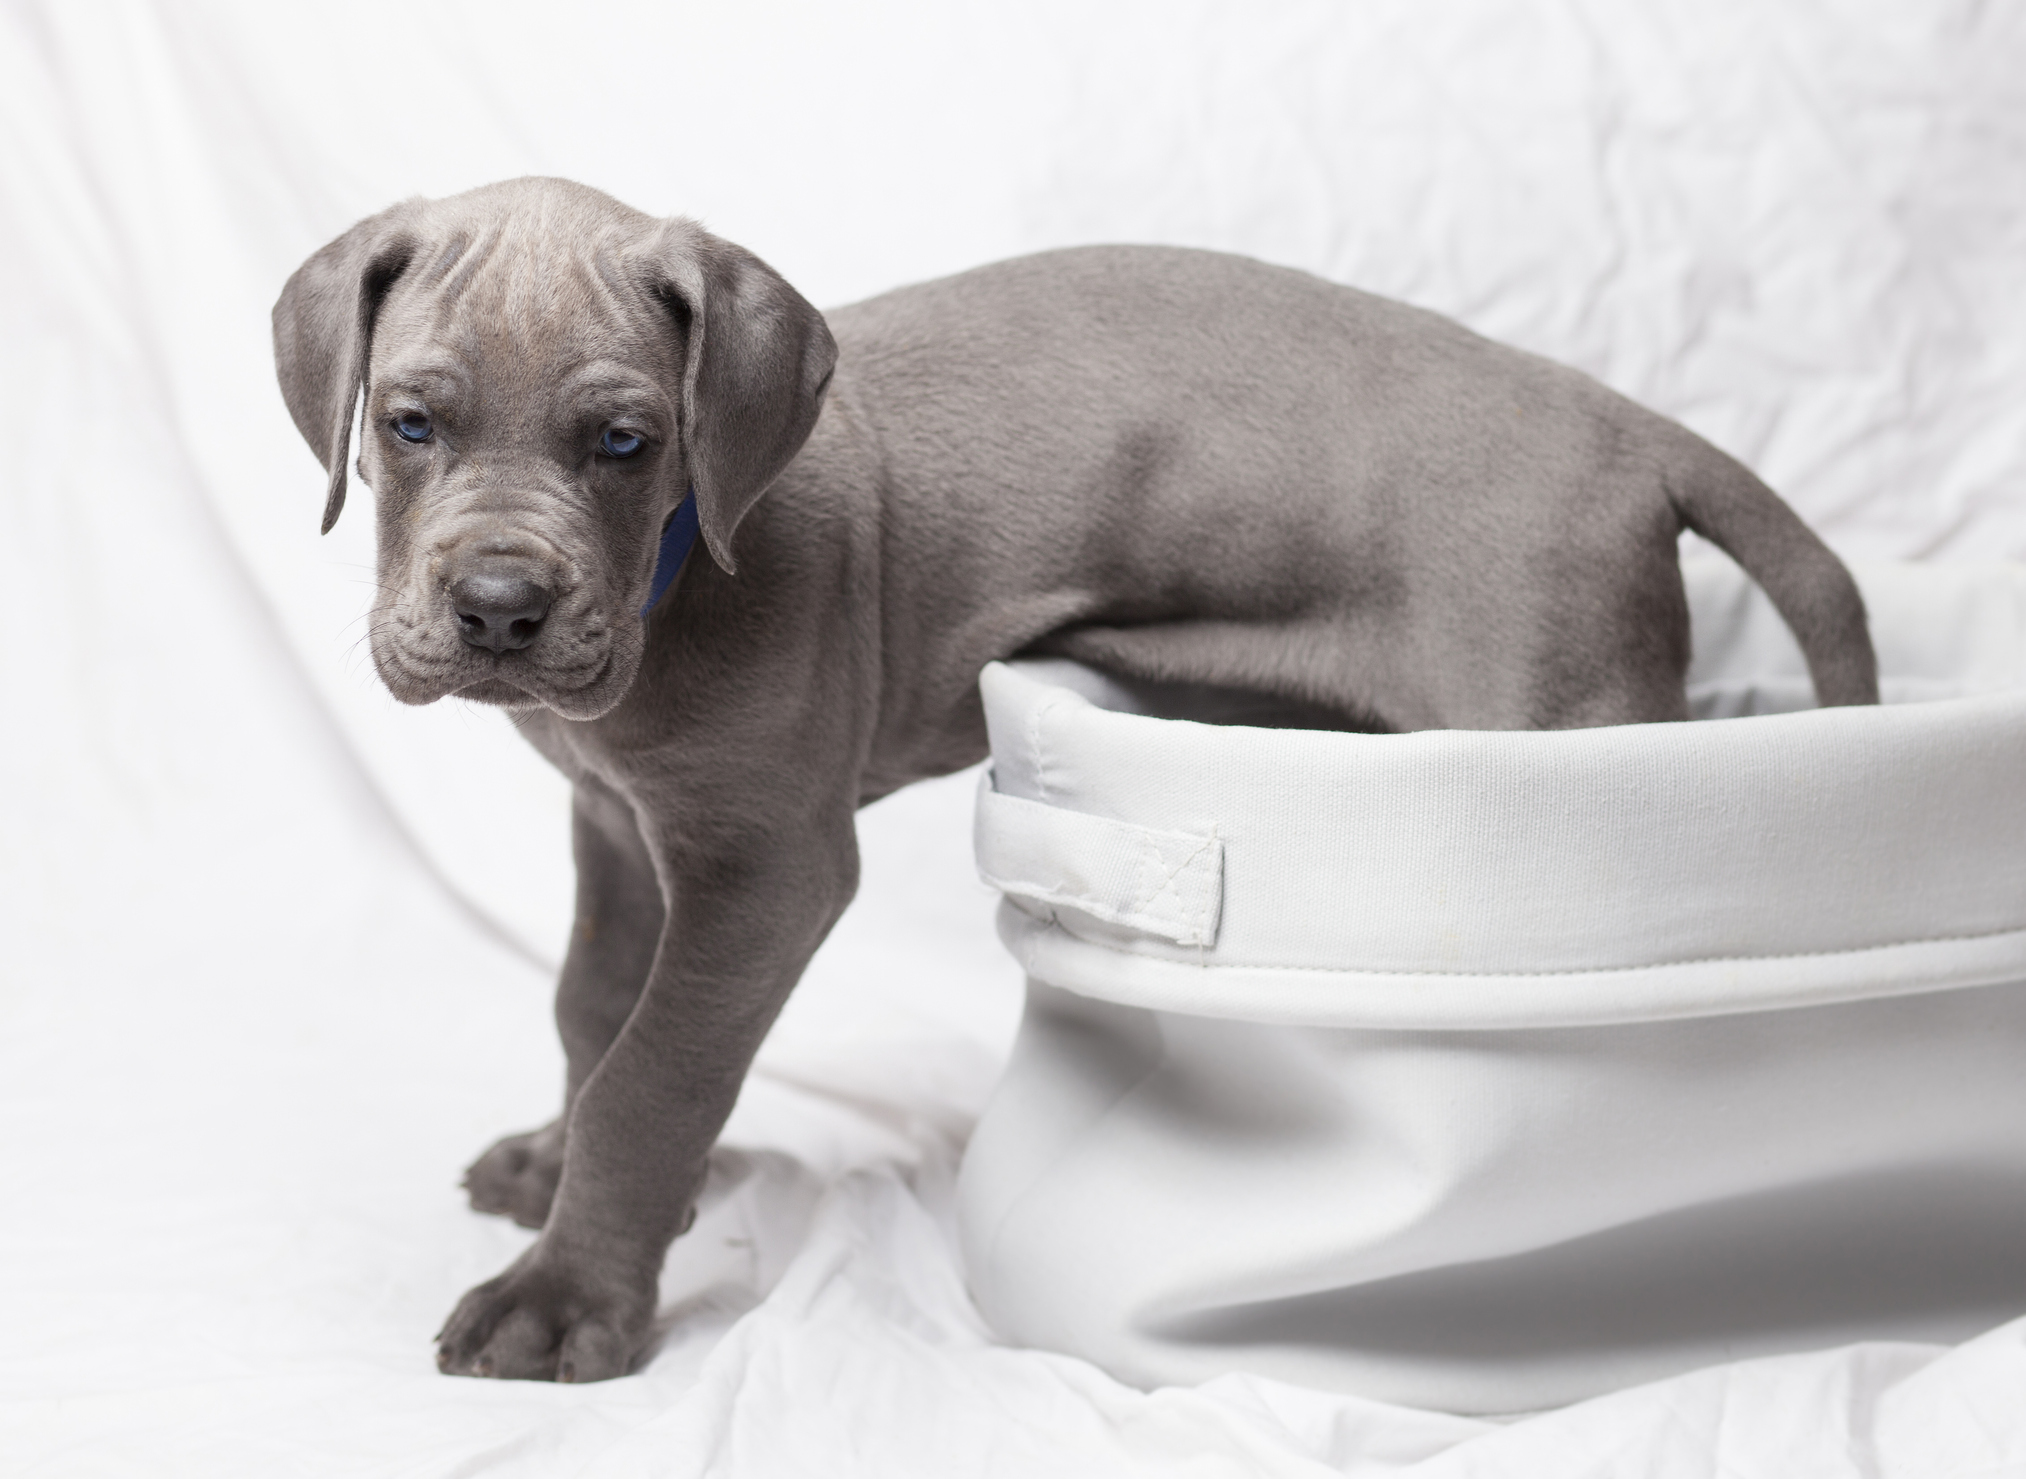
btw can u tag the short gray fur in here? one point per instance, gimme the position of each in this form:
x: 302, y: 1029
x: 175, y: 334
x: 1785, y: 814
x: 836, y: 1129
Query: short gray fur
x: 1187, y: 468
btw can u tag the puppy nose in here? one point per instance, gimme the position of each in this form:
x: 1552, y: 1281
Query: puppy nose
x: 499, y: 609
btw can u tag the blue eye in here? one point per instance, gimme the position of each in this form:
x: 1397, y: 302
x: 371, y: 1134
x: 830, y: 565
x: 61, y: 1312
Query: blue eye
x: 413, y: 426
x: 617, y: 443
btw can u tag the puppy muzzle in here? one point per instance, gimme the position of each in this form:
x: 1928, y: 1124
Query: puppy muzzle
x: 502, y: 616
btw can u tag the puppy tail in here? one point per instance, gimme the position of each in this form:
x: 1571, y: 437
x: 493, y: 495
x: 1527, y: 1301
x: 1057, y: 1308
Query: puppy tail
x: 1722, y: 501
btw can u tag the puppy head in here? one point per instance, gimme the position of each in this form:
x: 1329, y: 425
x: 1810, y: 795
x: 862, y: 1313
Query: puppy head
x: 545, y: 374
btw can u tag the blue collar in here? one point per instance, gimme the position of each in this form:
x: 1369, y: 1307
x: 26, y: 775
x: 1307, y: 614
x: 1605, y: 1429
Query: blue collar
x: 676, y: 542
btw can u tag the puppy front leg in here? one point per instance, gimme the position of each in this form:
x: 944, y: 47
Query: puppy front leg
x: 612, y: 944
x: 742, y: 922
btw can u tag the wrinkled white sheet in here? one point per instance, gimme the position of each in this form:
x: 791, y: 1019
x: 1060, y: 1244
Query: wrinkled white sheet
x: 273, y: 971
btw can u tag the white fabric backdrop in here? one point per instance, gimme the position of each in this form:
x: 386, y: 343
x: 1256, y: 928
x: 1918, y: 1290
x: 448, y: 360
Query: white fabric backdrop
x: 274, y: 966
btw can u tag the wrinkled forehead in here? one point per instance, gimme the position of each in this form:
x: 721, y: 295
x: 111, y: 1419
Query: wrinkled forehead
x: 525, y: 301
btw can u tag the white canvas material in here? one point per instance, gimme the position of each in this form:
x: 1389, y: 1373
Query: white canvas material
x: 1490, y: 1071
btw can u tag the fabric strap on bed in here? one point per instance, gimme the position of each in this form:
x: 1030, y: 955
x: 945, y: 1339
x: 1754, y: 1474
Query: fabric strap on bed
x: 1169, y: 884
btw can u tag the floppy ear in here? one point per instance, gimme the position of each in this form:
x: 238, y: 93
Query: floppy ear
x: 758, y: 359
x: 323, y: 335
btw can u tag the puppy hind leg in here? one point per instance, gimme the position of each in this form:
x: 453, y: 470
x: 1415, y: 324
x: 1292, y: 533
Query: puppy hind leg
x: 612, y: 944
x: 1614, y: 651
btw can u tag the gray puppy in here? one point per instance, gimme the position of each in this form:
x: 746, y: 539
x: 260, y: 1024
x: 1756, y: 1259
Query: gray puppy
x: 1183, y: 467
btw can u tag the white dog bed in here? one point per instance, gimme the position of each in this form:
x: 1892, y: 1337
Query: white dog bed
x: 1490, y: 1071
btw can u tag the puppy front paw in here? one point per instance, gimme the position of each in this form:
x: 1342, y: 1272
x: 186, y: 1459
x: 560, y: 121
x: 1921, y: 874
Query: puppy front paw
x: 543, y: 1321
x: 517, y: 1177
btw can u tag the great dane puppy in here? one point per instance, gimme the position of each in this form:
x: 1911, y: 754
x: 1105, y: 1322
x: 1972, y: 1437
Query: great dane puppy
x: 1183, y: 467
